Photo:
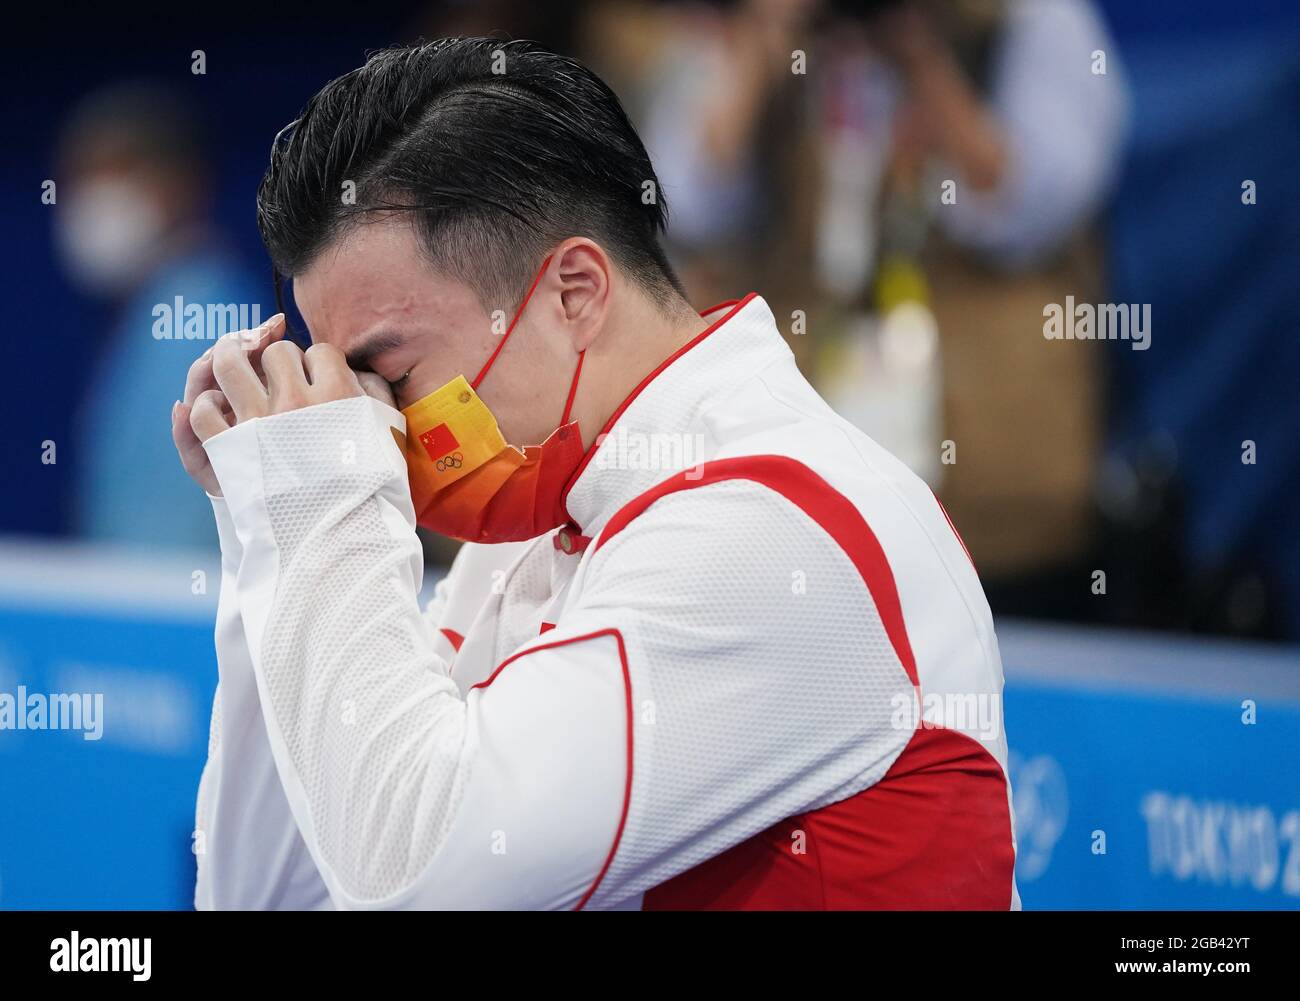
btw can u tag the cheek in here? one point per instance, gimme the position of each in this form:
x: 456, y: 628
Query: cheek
x: 432, y: 364
x: 413, y: 390
x: 425, y: 378
x: 531, y: 408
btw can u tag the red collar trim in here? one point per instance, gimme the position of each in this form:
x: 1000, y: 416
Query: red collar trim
x: 733, y: 306
x: 725, y: 305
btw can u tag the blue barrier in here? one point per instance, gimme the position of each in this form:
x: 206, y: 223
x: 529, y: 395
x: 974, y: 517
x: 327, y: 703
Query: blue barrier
x: 107, y: 822
x: 1147, y: 771
x: 1153, y: 771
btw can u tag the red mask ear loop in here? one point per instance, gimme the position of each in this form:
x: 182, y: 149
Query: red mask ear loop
x: 573, y: 389
x: 510, y: 329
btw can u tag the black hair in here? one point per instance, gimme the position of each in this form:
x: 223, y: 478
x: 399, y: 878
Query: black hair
x: 498, y: 149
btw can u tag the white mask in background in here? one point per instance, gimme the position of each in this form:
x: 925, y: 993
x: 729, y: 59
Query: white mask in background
x: 108, y: 234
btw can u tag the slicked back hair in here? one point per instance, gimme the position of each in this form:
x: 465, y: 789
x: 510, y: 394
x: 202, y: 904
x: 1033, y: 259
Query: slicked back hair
x: 497, y: 149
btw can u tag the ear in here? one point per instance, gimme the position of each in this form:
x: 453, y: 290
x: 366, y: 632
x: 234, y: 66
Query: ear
x: 584, y: 273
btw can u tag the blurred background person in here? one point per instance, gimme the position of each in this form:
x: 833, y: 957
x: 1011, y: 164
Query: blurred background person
x: 132, y: 226
x: 909, y: 182
x: 993, y: 131
x: 723, y: 100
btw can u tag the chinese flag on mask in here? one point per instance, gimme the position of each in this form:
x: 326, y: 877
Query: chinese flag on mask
x: 438, y: 441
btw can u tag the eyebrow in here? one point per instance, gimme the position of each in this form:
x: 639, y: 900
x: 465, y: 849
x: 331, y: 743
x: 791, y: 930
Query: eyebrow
x: 361, y: 356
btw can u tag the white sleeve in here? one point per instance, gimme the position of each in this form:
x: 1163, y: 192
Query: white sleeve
x: 406, y: 793
x: 544, y: 786
x: 250, y: 855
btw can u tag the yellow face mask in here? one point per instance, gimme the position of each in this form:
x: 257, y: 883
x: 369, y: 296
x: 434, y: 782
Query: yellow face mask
x: 467, y: 481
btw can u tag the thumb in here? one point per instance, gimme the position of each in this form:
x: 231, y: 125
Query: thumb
x: 376, y: 387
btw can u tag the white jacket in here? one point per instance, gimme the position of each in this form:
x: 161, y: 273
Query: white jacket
x: 757, y: 670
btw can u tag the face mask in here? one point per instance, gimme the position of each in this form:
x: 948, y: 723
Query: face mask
x: 108, y: 234
x: 467, y: 482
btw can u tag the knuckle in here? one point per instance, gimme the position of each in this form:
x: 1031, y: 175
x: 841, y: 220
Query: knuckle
x: 226, y: 357
x: 209, y: 404
x: 281, y: 349
x: 327, y: 353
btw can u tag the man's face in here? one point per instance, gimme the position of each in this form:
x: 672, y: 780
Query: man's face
x: 373, y: 295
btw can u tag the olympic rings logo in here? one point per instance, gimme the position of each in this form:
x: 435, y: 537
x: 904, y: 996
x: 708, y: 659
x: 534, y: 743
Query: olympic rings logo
x: 447, y: 462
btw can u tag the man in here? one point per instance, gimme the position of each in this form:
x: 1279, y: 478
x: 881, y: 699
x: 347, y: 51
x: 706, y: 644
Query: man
x: 684, y: 656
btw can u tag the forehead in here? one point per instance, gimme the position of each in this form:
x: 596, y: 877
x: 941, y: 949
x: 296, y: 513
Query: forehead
x: 375, y: 277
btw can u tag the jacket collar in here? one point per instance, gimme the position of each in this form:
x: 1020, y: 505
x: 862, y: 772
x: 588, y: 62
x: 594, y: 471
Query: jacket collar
x: 657, y: 431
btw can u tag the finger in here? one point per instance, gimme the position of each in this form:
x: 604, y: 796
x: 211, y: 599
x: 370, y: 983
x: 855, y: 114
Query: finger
x: 255, y: 338
x: 187, y: 442
x: 234, y: 375
x: 194, y: 458
x: 208, y: 415
x: 283, y: 365
x: 327, y: 367
x: 199, y: 378
x: 376, y: 387
x: 254, y: 342
x: 183, y: 432
x: 270, y: 332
